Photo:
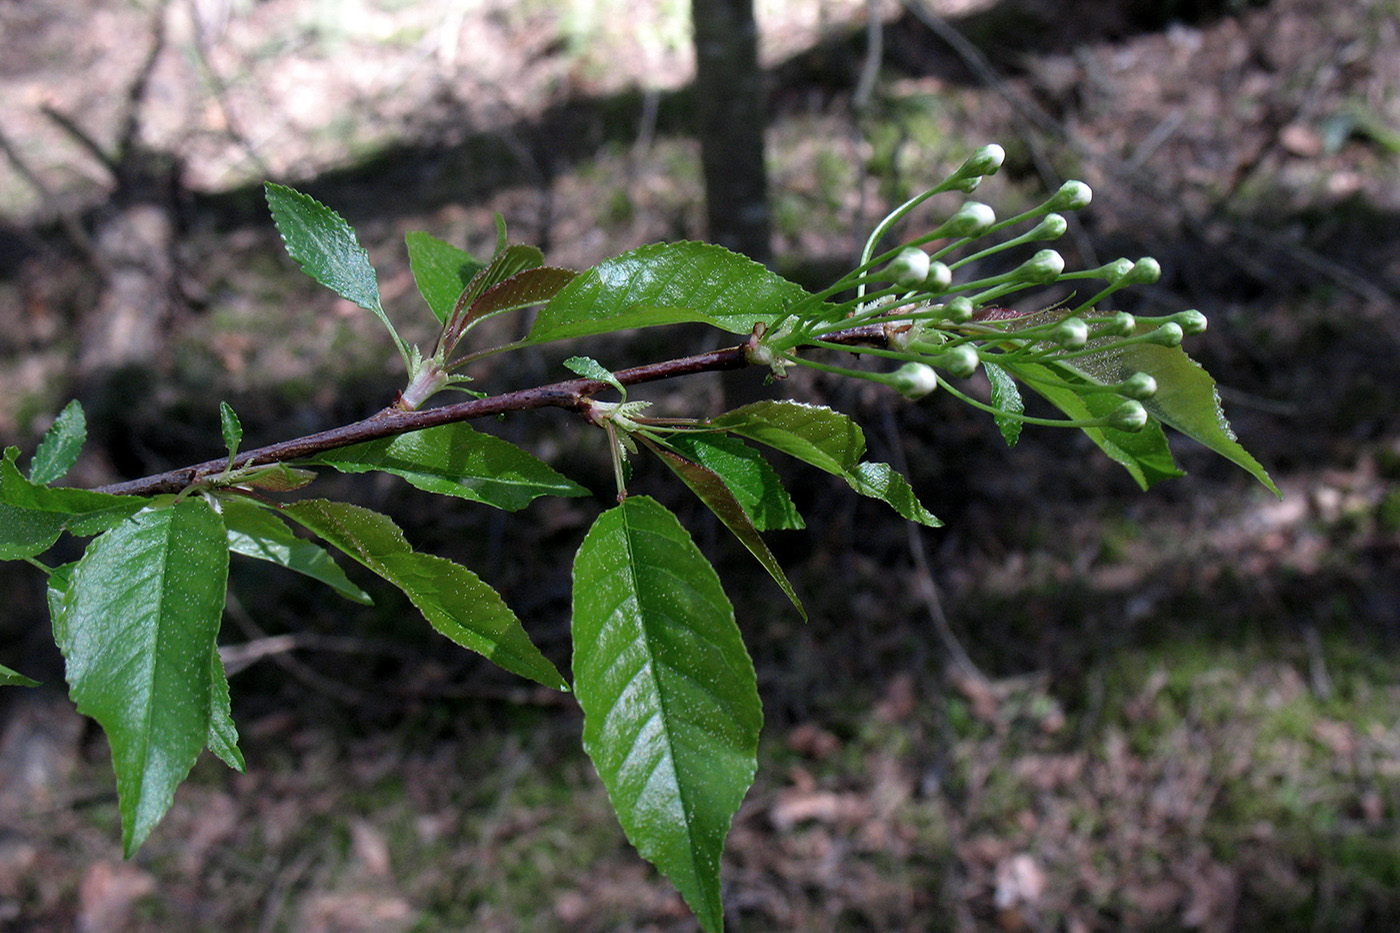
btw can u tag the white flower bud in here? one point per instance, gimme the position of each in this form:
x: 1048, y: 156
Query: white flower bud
x: 985, y: 161
x: 1122, y: 324
x: 1045, y: 266
x: 972, y: 220
x: 1052, y: 227
x: 1168, y: 335
x: 1072, y: 196
x: 1139, y: 386
x: 1130, y: 416
x: 909, y: 268
x: 959, y: 310
x: 1192, y: 322
x: 914, y: 380
x: 939, y: 277
x: 961, y: 361
x: 1071, y: 333
x: 1144, y: 272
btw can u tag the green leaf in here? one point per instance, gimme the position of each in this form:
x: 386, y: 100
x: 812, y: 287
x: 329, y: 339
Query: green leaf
x: 223, y: 734
x: 455, y: 460
x: 667, y: 283
x: 882, y: 481
x: 80, y: 511
x: 27, y: 532
x: 9, y: 678
x: 452, y: 598
x: 1005, y: 397
x: 589, y: 368
x: 141, y: 618
x: 750, y: 478
x: 815, y: 434
x: 715, y: 493
x: 1186, y: 397
x: 59, y: 449
x: 441, y: 271
x: 232, y: 429
x: 1144, y: 454
x: 326, y: 248
x: 257, y: 532
x: 669, y: 697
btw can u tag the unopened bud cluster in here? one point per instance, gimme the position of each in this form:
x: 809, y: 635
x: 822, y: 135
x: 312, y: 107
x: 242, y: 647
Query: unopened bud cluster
x: 944, y: 318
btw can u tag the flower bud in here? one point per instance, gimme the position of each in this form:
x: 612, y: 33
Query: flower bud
x: 1044, y: 267
x: 984, y: 161
x: 1192, y: 322
x: 1072, y: 196
x: 971, y: 220
x: 909, y: 268
x: 1139, y: 386
x: 959, y: 310
x: 1130, y: 416
x: 1052, y: 227
x: 1144, y: 272
x: 1118, y: 270
x: 1121, y: 324
x: 961, y: 361
x: 914, y: 380
x: 1071, y: 333
x: 939, y: 277
x: 1168, y: 335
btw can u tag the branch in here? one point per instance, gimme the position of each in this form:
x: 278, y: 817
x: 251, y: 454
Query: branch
x: 570, y: 395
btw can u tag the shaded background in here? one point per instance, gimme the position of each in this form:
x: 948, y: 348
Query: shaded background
x: 1183, y: 713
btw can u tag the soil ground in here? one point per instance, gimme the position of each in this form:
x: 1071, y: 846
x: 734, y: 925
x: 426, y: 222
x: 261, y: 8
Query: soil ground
x: 1190, y: 717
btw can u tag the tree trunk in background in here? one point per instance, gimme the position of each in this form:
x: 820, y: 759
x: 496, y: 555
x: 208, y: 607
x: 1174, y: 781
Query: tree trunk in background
x: 730, y: 116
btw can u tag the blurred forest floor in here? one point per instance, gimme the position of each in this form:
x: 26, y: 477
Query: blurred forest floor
x: 1189, y: 718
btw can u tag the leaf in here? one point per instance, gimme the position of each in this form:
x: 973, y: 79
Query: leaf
x: 141, y: 618
x: 667, y: 283
x: 669, y: 697
x: 715, y: 493
x: 455, y: 460
x: 750, y: 478
x: 9, y: 678
x: 589, y: 368
x: 223, y: 734
x: 1144, y: 454
x: 815, y: 434
x: 326, y: 248
x: 452, y: 598
x: 508, y: 262
x: 1005, y: 397
x: 1186, y: 397
x: 256, y: 532
x: 81, y: 511
x: 27, y: 532
x: 440, y: 270
x: 232, y: 429
x: 882, y: 481
x: 59, y: 449
x: 521, y: 290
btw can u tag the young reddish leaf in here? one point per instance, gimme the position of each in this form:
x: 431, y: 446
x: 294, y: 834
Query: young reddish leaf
x: 519, y: 291
x: 667, y: 283
x: 139, y: 622
x: 452, y: 598
x: 669, y: 696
